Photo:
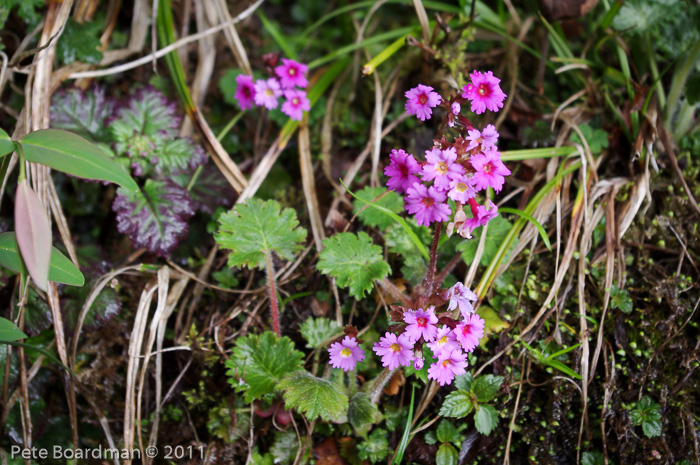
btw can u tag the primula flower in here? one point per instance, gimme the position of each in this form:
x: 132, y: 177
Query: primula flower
x: 441, y: 167
x: 469, y: 331
x: 267, y: 92
x: 296, y: 104
x: 445, y: 340
x: 427, y: 204
x: 460, y: 296
x: 449, y: 365
x: 418, y: 362
x: 394, y: 350
x: 484, y: 92
x: 292, y: 74
x: 421, y: 100
x: 490, y: 170
x: 245, y: 91
x: 421, y: 323
x: 488, y: 138
x: 455, y: 108
x: 482, y: 215
x: 402, y: 171
x: 346, y: 354
x: 461, y: 190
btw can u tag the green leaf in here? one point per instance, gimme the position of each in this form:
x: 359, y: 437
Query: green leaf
x: 447, y: 455
x: 375, y: 447
x: 486, y: 387
x: 262, y: 361
x: 372, y: 216
x: 9, y: 332
x: 647, y: 414
x: 6, y: 143
x: 597, y: 139
x: 651, y: 428
x: 284, y: 450
x: 61, y: 269
x: 592, y: 458
x: 258, y: 228
x: 457, y: 404
x: 318, y: 330
x: 361, y: 411
x: 80, y: 42
x: 354, y: 261
x: 531, y: 219
x: 561, y: 367
x: 72, y: 154
x: 464, y: 382
x: 495, y: 235
x: 313, y: 396
x: 485, y: 419
x: 620, y: 298
x: 446, y: 432
x: 406, y: 436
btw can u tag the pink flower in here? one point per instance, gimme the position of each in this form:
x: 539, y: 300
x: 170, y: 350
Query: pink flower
x: 482, y: 215
x: 346, y: 354
x: 456, y: 108
x: 292, y: 74
x: 245, y: 91
x: 444, y: 341
x: 394, y: 350
x: 484, y: 92
x: 421, y: 100
x: 460, y: 296
x: 296, y: 104
x: 402, y: 171
x: 427, y: 204
x: 418, y: 362
x: 490, y: 170
x: 421, y: 323
x: 469, y: 331
x: 449, y: 365
x: 441, y: 167
x: 486, y: 138
x: 267, y: 92
x: 461, y: 190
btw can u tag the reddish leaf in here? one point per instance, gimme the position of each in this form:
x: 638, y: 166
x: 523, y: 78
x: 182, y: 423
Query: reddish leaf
x: 33, y: 234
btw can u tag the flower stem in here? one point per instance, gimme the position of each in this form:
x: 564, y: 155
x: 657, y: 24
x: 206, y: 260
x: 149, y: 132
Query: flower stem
x: 379, y: 383
x: 430, y: 276
x: 272, y: 289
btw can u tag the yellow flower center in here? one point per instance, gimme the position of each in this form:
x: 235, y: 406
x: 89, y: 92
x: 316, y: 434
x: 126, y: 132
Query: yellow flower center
x: 345, y: 352
x: 442, y: 341
x: 396, y: 347
x: 461, y: 187
x: 446, y: 363
x: 441, y: 167
x: 269, y: 93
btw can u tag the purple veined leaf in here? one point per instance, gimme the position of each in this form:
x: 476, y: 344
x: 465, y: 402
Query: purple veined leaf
x: 210, y: 189
x: 82, y: 112
x: 33, y: 234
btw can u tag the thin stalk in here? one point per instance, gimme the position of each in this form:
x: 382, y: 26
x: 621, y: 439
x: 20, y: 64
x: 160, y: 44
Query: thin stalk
x: 681, y: 75
x: 272, y: 289
x: 430, y: 277
x: 379, y: 383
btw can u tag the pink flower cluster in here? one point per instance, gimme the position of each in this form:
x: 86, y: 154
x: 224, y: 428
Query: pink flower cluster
x: 457, y: 170
x: 266, y: 92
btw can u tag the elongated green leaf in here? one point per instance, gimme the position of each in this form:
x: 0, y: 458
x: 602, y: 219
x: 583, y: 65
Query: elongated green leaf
x: 274, y: 31
x: 561, y: 367
x: 72, y: 154
x: 9, y: 332
x: 6, y: 144
x: 531, y: 219
x: 529, y: 154
x: 42, y: 351
x: 406, y: 437
x: 61, y: 269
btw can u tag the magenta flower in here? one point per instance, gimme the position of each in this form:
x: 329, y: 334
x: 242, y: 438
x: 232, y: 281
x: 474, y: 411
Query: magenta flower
x: 296, y: 104
x: 428, y: 204
x: 245, y: 91
x: 292, y: 74
x: 456, y: 108
x: 421, y: 323
x: 483, y: 215
x: 449, y: 364
x: 461, y: 190
x: 346, y: 354
x: 490, y: 170
x: 418, y: 362
x: 460, y: 296
x: 469, y: 331
x: 402, y: 171
x: 444, y: 341
x: 394, y: 350
x: 484, y: 92
x: 487, y: 138
x: 421, y: 100
x: 441, y: 167
x: 267, y: 92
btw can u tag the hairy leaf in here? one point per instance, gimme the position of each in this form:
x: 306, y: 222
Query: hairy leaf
x: 457, y: 404
x: 485, y: 419
x: 262, y: 361
x: 446, y: 455
x: 464, y: 382
x: 82, y: 112
x: 486, y: 387
x: 313, y: 396
x: 354, y: 261
x: 496, y: 232
x: 284, y: 450
x: 373, y: 217
x: 318, y: 330
x: 375, y: 447
x: 361, y: 411
x: 155, y: 217
x: 258, y: 228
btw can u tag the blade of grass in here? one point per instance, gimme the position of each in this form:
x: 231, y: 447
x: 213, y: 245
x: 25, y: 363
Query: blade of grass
x: 283, y: 42
x: 529, y: 154
x: 406, y: 437
x: 531, y: 219
x: 384, y: 55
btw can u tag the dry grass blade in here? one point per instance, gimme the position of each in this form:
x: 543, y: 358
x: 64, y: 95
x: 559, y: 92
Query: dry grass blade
x: 309, y: 184
x: 231, y: 35
x: 423, y: 20
x: 261, y: 171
